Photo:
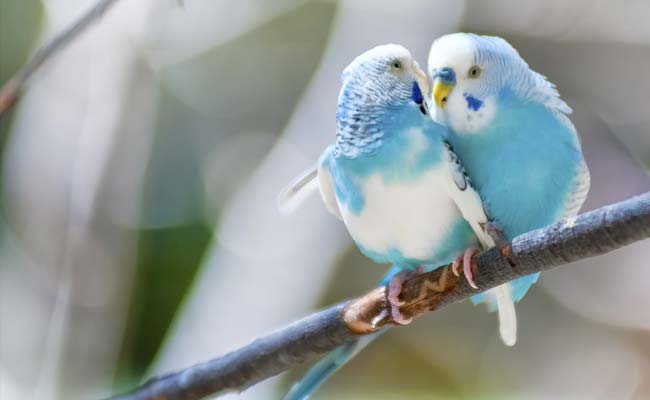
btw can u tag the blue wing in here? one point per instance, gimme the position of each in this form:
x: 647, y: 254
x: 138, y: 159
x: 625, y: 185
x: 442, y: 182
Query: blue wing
x: 553, y: 196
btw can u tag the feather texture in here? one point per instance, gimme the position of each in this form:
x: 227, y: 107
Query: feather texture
x: 578, y: 192
x: 507, y: 314
x: 510, y: 128
x: 292, y: 196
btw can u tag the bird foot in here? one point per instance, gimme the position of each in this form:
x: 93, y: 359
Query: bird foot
x: 394, y: 290
x: 466, y: 259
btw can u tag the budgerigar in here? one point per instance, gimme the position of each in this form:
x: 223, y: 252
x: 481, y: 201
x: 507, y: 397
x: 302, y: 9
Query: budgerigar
x: 510, y: 127
x: 393, y: 179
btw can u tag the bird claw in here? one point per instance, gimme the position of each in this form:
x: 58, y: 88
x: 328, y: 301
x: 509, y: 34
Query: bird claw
x: 454, y: 265
x: 398, y: 317
x: 466, y: 259
x: 394, y: 290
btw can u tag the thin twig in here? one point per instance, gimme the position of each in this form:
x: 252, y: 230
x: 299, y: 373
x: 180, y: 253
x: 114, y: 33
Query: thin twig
x: 590, y: 234
x: 12, y: 89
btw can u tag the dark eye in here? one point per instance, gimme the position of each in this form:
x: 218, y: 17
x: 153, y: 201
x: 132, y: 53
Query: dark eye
x: 474, y: 72
x: 396, y: 65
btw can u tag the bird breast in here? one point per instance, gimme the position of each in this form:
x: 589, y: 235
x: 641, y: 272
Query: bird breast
x: 407, y: 218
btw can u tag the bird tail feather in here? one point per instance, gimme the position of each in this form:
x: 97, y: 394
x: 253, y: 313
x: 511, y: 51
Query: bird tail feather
x: 326, y: 367
x: 298, y: 190
x: 503, y: 298
x: 507, y: 314
x: 335, y: 359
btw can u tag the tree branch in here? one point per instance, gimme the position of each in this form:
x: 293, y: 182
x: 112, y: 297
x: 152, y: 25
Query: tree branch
x: 10, y: 92
x: 590, y: 234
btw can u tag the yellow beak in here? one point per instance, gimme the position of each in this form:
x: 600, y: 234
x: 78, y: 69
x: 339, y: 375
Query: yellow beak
x: 441, y: 90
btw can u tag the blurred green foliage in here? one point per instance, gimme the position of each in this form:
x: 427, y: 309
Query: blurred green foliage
x: 188, y: 130
x: 19, y: 27
x: 20, y: 24
x: 166, y: 264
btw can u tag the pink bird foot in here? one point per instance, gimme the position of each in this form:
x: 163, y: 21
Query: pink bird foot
x: 394, y: 290
x: 466, y: 259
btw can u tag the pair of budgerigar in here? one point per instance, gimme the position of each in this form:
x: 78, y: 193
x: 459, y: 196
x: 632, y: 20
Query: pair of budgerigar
x: 418, y: 192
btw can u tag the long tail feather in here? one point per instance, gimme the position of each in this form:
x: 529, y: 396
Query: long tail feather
x: 502, y: 299
x: 298, y: 190
x: 326, y: 367
x: 335, y: 359
x: 507, y: 314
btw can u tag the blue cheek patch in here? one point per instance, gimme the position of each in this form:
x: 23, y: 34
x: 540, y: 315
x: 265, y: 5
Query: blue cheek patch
x: 472, y: 102
x: 416, y: 94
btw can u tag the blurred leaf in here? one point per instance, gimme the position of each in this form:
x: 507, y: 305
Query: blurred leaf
x: 19, y: 28
x: 167, y: 262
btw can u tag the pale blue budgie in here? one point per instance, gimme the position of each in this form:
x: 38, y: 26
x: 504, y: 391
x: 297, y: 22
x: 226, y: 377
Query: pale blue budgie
x: 394, y: 181
x: 510, y: 128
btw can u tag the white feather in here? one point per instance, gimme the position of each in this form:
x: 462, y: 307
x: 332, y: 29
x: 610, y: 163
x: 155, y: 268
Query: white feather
x: 327, y: 193
x: 298, y: 190
x: 469, y: 203
x: 467, y: 199
x: 578, y: 194
x: 409, y: 216
x: 507, y: 314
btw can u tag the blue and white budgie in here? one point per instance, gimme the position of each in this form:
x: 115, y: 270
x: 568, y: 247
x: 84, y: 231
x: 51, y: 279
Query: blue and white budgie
x: 510, y: 128
x: 394, y: 181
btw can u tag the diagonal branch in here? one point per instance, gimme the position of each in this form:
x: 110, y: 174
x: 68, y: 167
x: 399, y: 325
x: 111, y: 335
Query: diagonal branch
x: 11, y: 90
x: 590, y: 234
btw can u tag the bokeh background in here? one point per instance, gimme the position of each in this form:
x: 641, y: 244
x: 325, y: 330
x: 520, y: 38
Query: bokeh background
x: 138, y: 224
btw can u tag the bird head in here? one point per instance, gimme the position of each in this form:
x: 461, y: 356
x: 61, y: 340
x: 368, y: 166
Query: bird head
x: 384, y: 76
x: 468, y: 72
x: 383, y: 84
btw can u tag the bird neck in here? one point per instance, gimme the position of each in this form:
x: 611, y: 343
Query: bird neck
x: 410, y: 144
x: 363, y: 129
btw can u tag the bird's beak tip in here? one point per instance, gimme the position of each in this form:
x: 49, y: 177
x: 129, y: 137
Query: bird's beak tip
x: 441, y: 90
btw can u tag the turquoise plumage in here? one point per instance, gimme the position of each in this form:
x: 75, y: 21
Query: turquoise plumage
x: 389, y: 176
x: 509, y: 126
x: 393, y: 180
